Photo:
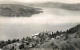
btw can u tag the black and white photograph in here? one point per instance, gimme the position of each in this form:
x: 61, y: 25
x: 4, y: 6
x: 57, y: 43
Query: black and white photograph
x: 39, y: 24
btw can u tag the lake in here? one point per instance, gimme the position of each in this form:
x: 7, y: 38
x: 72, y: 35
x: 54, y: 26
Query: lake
x: 52, y: 19
x: 41, y: 49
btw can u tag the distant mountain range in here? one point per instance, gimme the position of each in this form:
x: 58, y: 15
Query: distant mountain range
x: 67, y: 6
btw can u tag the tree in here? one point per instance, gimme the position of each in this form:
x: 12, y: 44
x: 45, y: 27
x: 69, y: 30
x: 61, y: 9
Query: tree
x: 14, y: 40
x: 12, y: 48
x: 17, y: 40
x: 66, y: 35
x: 9, y: 42
x: 23, y: 39
x: 21, y: 46
x: 52, y: 44
x: 2, y: 44
x: 28, y: 39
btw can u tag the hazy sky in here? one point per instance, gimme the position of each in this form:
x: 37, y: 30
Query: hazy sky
x: 67, y: 1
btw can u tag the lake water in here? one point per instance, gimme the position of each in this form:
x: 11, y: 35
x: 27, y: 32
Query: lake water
x: 41, y: 49
x: 52, y: 19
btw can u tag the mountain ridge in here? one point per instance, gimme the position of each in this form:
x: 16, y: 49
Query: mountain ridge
x: 67, y: 6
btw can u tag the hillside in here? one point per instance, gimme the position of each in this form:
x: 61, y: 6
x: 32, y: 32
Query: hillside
x: 67, y: 40
x: 17, y: 10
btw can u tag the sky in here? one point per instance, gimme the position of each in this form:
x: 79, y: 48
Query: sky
x: 70, y: 1
x: 65, y: 1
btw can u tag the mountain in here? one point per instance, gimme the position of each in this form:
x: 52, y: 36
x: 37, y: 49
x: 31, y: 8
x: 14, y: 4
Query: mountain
x: 66, y: 6
x: 17, y: 10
